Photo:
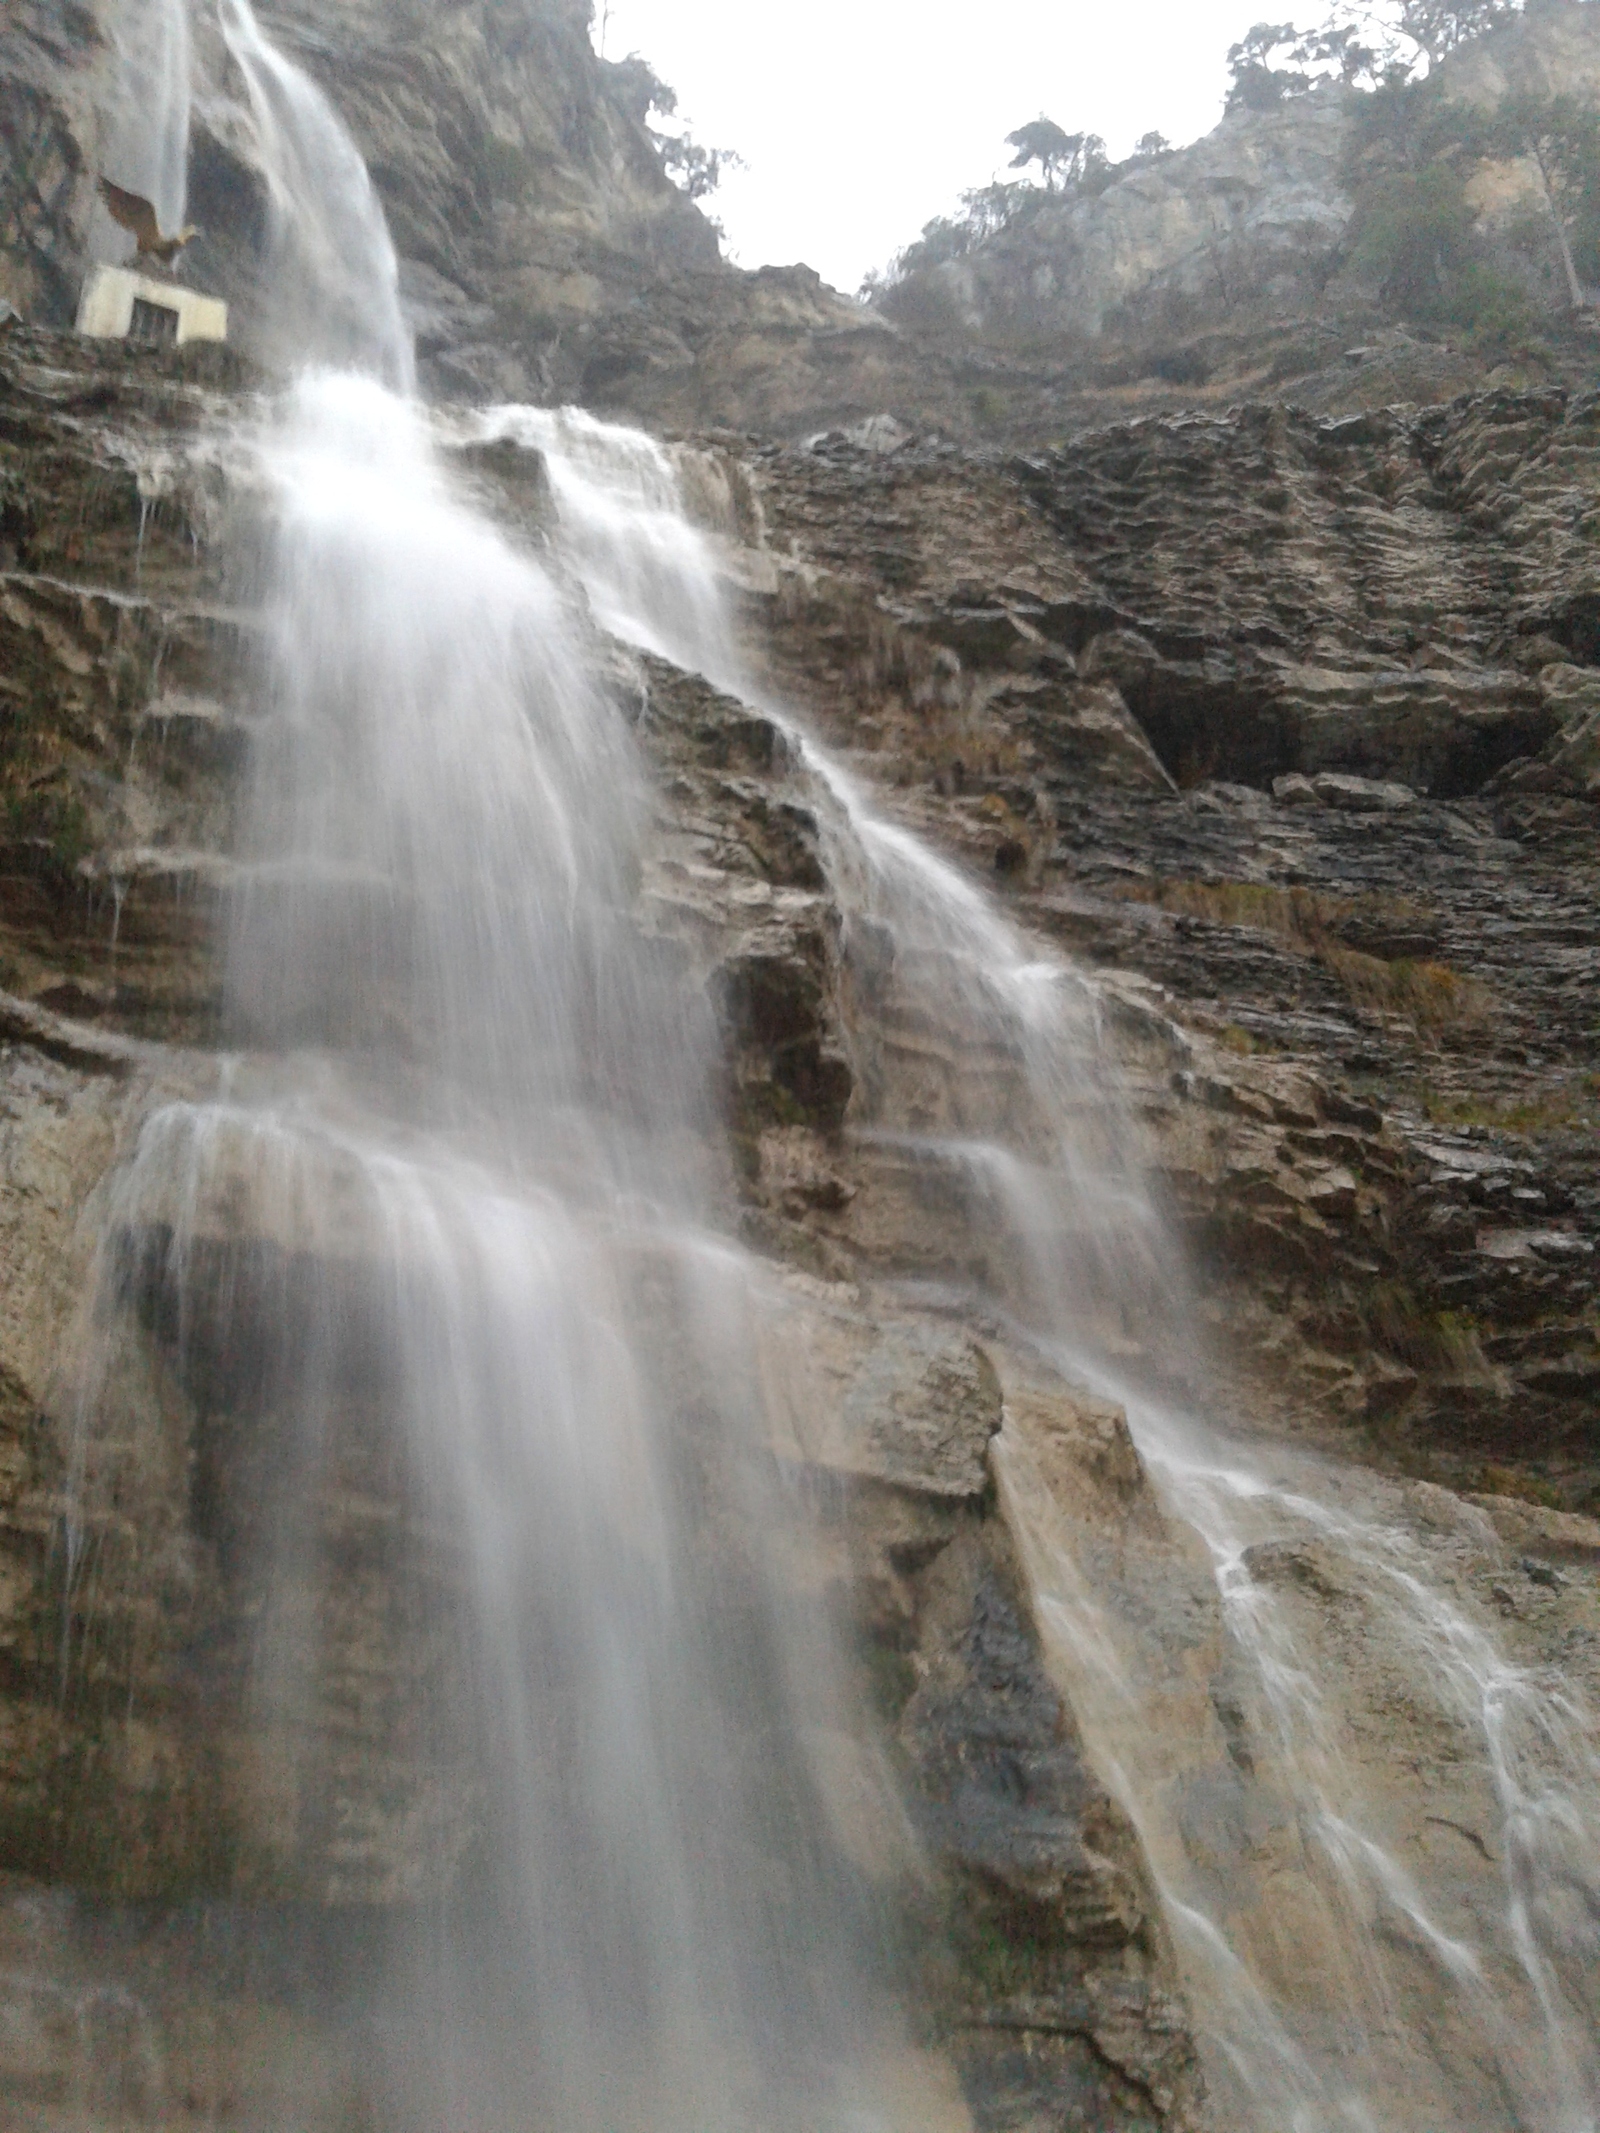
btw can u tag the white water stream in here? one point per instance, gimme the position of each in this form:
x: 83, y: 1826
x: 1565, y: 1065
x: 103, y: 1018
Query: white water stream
x: 1338, y: 1984
x: 458, y: 1176
x: 333, y: 273
x: 147, y: 122
x: 475, y: 1104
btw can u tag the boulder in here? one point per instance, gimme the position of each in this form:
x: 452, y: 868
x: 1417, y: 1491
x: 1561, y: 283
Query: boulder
x: 1084, y: 730
x: 921, y: 1414
x: 1360, y: 796
x: 1570, y: 763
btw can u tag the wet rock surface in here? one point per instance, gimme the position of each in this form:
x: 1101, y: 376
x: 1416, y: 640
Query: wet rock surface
x: 160, y: 1803
x: 1059, y: 2005
x: 1349, y: 978
x: 1359, y: 889
x: 124, y: 733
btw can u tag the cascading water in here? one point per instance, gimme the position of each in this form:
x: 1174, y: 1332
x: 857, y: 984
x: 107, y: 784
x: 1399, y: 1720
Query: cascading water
x: 440, y: 1241
x: 334, y: 276
x: 148, y: 123
x: 469, y: 1204
x: 1338, y: 1983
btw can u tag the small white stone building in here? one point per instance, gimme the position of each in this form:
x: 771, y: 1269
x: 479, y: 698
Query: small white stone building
x: 119, y: 305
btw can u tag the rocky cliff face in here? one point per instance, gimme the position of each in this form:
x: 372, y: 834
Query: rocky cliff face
x: 1306, y: 779
x: 544, y: 255
x: 1250, y: 215
x: 1251, y: 222
x: 159, y: 1802
x: 1301, y: 766
x: 1233, y: 268
x: 522, y: 195
x: 1282, y: 723
x: 529, y: 208
x: 1291, y: 719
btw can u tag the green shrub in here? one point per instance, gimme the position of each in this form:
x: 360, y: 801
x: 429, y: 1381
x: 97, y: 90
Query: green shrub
x: 1415, y: 238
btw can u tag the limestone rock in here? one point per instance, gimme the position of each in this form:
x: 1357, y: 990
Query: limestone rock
x: 1083, y: 730
x: 545, y: 256
x: 1254, y: 218
x: 1267, y: 186
x: 1294, y: 790
x: 909, y: 1403
x: 1536, y: 1530
x: 1036, y: 1856
x: 1086, y: 1446
x: 1333, y: 662
x: 1430, y: 960
x: 1423, y: 1282
x: 1359, y: 796
x: 921, y: 1413
x: 1570, y: 762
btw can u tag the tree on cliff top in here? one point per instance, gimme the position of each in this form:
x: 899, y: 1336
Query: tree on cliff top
x: 1351, y: 47
x: 1438, y: 26
x: 1257, y: 83
x: 1560, y: 137
x: 693, y: 169
x: 1366, y: 44
x: 1404, y: 33
x: 1067, y: 158
x: 637, y: 89
x: 1072, y: 163
x: 1417, y: 233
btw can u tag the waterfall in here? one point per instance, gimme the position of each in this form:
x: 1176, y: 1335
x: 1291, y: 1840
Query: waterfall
x: 147, y: 128
x: 333, y: 273
x: 1338, y: 1981
x: 441, y: 1241
x: 437, y: 1268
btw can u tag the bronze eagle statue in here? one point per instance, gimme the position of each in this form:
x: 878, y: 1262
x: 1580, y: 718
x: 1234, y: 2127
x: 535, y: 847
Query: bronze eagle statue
x: 135, y: 213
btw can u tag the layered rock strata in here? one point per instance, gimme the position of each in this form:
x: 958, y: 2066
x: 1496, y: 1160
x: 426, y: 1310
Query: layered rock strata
x: 1289, y: 721
x: 1324, y: 988
x: 206, y: 1875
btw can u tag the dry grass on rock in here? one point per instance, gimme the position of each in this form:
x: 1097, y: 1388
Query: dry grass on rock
x: 1432, y: 997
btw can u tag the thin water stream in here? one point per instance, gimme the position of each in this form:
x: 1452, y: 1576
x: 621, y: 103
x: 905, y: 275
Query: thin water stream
x: 147, y: 119
x: 332, y: 270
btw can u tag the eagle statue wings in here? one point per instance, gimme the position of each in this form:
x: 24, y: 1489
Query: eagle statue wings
x: 135, y: 213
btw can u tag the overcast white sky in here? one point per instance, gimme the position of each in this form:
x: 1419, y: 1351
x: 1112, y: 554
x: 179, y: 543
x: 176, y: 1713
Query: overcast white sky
x: 861, y: 119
